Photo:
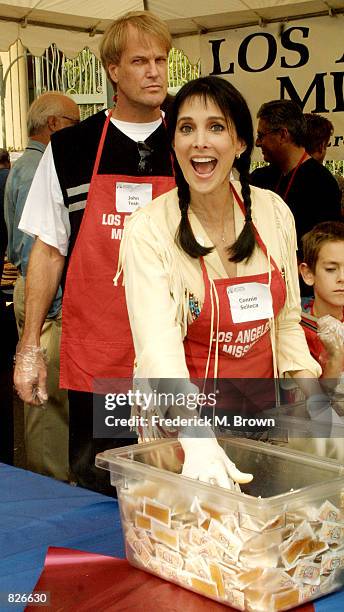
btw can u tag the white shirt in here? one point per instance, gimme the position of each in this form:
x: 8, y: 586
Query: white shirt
x: 45, y: 214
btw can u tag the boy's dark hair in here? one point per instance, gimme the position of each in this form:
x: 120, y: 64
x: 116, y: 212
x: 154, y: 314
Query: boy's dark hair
x: 319, y: 131
x: 328, y: 231
x: 235, y: 110
x: 4, y: 156
x: 285, y: 114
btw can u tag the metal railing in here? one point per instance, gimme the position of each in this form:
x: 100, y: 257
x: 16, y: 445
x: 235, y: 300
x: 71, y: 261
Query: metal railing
x: 83, y: 78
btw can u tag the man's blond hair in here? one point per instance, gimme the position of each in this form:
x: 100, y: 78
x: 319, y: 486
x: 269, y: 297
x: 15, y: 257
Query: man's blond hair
x: 115, y: 37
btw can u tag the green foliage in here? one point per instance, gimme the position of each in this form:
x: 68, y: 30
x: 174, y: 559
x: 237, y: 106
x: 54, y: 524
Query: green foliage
x: 336, y: 167
x: 180, y: 71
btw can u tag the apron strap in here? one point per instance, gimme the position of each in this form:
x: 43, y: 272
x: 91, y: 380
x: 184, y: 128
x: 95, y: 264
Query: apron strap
x: 292, y: 178
x: 258, y: 238
x: 101, y: 145
x: 171, y: 156
x: 204, y: 272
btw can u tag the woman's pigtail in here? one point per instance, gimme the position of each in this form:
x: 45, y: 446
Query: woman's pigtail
x: 184, y: 236
x: 243, y: 247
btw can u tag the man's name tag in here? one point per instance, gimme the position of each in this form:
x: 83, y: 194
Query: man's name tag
x: 131, y: 196
x: 250, y: 302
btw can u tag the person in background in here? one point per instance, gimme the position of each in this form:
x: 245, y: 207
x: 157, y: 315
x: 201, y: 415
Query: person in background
x: 45, y: 430
x: 6, y: 413
x: 323, y: 270
x: 318, y: 135
x: 89, y: 179
x: 5, y: 165
x: 197, y: 258
x: 323, y: 321
x: 310, y: 190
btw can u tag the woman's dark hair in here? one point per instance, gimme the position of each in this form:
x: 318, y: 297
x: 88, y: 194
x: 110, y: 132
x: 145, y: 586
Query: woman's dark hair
x: 235, y: 109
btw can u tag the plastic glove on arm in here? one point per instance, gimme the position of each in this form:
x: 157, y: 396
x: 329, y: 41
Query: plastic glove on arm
x: 30, y: 374
x: 206, y: 461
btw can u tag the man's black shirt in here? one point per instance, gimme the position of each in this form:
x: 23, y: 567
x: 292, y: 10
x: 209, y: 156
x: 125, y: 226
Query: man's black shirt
x: 313, y: 197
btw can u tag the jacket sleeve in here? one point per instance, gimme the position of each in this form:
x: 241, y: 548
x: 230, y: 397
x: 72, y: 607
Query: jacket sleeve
x: 155, y: 299
x: 19, y: 244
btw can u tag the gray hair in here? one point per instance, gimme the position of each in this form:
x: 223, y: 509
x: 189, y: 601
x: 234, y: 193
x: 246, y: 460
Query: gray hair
x: 47, y: 104
x: 285, y: 114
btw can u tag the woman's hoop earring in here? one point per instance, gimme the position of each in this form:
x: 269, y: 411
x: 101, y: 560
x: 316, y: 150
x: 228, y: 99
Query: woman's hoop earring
x: 237, y: 155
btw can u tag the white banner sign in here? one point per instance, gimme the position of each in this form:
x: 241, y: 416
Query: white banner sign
x: 301, y: 60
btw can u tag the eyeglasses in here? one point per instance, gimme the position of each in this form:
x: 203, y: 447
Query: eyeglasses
x: 261, y: 135
x: 145, y: 153
x: 73, y: 120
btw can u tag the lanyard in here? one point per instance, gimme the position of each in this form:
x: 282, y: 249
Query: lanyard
x: 291, y: 180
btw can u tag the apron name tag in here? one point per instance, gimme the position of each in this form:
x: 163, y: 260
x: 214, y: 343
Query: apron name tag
x: 250, y: 302
x: 131, y: 196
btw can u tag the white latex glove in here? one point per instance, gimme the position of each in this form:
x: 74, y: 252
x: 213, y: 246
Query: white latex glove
x: 331, y: 334
x: 30, y: 374
x: 206, y: 461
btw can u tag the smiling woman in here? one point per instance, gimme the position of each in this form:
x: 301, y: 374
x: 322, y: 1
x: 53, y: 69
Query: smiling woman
x: 202, y: 130
x: 197, y: 257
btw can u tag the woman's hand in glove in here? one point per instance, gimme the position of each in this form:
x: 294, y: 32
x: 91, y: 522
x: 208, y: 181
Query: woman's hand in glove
x: 206, y: 461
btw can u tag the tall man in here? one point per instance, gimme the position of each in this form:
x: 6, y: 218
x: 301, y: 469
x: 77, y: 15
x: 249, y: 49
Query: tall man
x: 46, y: 431
x: 309, y: 189
x: 89, y: 179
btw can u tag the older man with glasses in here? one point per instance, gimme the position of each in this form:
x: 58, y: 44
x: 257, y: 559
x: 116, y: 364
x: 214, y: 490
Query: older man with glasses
x: 90, y: 179
x: 45, y: 431
x: 310, y: 191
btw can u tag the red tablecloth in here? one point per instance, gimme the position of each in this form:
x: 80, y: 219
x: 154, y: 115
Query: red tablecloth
x: 85, y: 581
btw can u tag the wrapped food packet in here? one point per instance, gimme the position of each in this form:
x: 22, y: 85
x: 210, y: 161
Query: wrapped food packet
x: 331, y: 333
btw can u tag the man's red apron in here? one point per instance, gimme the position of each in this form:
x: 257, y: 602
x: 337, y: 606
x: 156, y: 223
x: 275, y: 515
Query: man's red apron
x: 96, y: 338
x: 244, y: 348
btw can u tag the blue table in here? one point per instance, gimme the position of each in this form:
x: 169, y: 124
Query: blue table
x: 37, y: 512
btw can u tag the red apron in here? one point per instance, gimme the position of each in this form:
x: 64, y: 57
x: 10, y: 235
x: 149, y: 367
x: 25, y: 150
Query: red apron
x: 310, y: 327
x: 243, y: 349
x: 96, y: 338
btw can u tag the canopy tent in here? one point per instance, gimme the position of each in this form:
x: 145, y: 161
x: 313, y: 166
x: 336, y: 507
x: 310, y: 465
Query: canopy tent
x: 75, y: 24
x: 267, y: 48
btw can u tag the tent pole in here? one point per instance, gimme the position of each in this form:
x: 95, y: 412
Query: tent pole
x: 2, y: 108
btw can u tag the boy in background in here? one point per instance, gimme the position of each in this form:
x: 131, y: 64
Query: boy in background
x: 323, y: 316
x: 322, y: 319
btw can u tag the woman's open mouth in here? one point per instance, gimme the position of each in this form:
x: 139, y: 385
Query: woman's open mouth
x: 204, y: 166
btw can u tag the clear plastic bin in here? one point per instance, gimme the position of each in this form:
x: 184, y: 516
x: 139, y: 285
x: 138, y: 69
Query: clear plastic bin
x: 274, y: 546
